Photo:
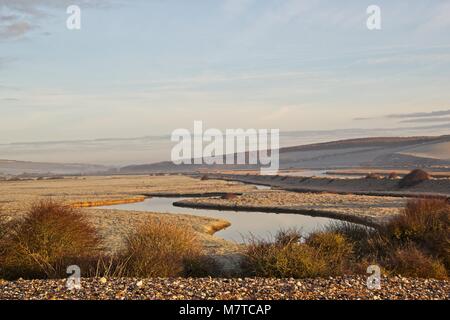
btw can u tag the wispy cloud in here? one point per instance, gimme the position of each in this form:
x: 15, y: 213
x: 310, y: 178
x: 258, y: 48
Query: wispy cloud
x: 439, y: 17
x: 410, y: 59
x: 235, y: 8
x: 424, y: 116
x: 15, y: 29
x: 419, y: 114
x: 427, y: 120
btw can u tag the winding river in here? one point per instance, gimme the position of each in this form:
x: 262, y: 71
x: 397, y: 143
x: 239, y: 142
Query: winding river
x: 243, y: 224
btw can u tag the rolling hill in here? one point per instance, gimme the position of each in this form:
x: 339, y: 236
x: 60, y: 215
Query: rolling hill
x: 12, y: 167
x: 396, y: 152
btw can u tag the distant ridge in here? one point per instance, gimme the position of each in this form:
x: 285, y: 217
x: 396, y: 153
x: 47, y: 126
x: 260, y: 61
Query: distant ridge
x: 401, y: 152
x: 372, y: 142
x: 12, y: 167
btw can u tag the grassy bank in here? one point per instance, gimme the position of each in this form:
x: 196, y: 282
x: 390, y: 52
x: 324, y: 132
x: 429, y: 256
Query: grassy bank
x: 51, y: 236
x: 415, y: 243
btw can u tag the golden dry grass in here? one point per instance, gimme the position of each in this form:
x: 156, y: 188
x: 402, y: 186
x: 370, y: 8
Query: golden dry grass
x: 323, y: 254
x: 43, y: 243
x: 160, y: 249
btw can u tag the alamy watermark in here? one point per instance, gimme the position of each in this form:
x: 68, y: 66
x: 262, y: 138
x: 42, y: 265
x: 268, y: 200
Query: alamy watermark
x: 259, y: 147
x: 374, y: 280
x: 73, y: 22
x: 73, y: 282
x: 374, y: 19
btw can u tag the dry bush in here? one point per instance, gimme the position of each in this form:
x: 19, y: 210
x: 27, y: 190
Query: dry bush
x: 351, y: 231
x: 48, y: 239
x: 266, y: 259
x: 393, y: 175
x: 361, y: 237
x: 3, y: 235
x: 285, y: 237
x: 420, y: 231
x: 160, y: 249
x: 322, y: 255
x: 334, y: 248
x: 204, y: 177
x: 409, y: 261
x: 375, y: 176
x: 424, y: 222
x: 415, y: 243
x: 414, y: 178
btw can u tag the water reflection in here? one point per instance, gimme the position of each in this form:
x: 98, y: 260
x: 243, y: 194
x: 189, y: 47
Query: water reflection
x: 243, y: 224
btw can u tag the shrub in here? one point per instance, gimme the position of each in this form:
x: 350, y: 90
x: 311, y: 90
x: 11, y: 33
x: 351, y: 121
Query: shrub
x: 373, y: 176
x: 288, y: 236
x: 361, y: 237
x: 424, y: 222
x: 160, y: 249
x: 48, y: 239
x: 3, y: 235
x: 413, y: 178
x: 204, y: 177
x: 409, y: 261
x: 351, y: 231
x: 265, y: 259
x: 334, y: 248
x: 322, y: 255
x: 420, y: 231
x: 393, y: 175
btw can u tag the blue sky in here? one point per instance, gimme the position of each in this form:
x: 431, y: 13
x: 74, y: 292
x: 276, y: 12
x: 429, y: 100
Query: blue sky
x: 139, y: 68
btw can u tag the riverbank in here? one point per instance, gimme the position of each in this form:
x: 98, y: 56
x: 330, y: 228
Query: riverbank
x: 16, y: 196
x: 87, y: 193
x: 338, y: 288
x: 436, y: 188
x: 367, y: 210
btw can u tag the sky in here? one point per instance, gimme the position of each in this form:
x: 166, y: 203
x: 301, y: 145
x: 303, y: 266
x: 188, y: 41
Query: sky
x: 142, y: 68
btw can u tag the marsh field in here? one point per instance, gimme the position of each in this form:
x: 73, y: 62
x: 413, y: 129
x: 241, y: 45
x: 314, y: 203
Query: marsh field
x: 200, y: 237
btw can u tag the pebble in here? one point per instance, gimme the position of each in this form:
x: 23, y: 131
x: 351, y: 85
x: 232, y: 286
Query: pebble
x: 336, y: 288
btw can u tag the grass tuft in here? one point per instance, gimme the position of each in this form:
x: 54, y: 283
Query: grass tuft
x: 43, y: 243
x: 286, y: 256
x: 160, y: 249
x: 410, y: 261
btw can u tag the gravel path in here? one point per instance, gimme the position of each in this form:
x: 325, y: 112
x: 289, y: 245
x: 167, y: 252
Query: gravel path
x: 349, y: 287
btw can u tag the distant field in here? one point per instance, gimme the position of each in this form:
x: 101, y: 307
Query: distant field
x: 434, y: 151
x: 365, y: 171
